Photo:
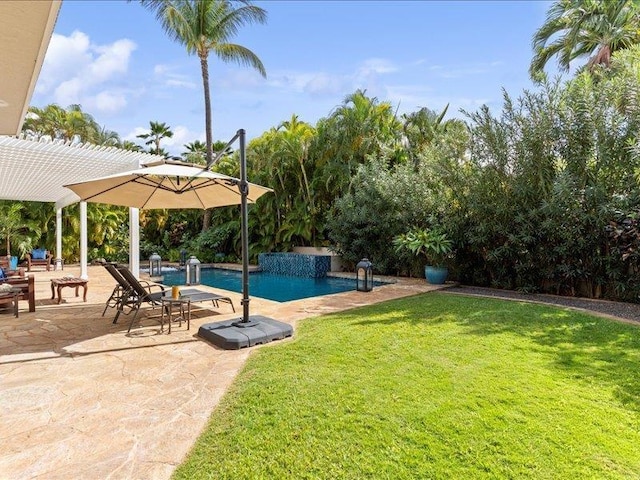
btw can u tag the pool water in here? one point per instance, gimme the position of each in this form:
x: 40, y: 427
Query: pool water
x: 266, y: 285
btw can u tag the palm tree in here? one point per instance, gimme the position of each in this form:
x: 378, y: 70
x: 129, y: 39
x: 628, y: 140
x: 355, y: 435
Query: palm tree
x: 293, y: 144
x: 61, y: 124
x: 15, y: 226
x: 130, y: 146
x: 577, y: 28
x: 205, y: 26
x: 196, y: 152
x: 106, y: 137
x: 157, y: 132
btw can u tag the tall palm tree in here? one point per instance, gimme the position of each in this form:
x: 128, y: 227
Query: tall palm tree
x: 577, y: 28
x: 204, y: 26
x: 157, y: 131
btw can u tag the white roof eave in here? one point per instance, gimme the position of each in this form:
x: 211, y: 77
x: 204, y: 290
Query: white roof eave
x: 26, y: 31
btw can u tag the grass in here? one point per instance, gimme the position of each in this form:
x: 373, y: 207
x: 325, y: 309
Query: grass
x: 433, y: 386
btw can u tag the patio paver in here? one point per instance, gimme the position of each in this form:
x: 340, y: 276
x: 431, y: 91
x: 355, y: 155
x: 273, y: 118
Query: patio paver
x: 82, y: 399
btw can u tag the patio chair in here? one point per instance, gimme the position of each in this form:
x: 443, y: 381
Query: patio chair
x: 120, y: 291
x: 39, y: 256
x: 5, y: 267
x: 137, y: 295
x: 27, y: 286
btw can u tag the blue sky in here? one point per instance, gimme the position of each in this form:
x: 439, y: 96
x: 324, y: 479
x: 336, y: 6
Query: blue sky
x: 113, y: 58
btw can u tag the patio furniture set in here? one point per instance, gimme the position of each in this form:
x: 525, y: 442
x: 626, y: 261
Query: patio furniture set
x: 130, y: 294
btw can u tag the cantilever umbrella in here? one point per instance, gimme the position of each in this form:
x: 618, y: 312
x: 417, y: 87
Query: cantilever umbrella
x: 166, y: 184
x: 170, y: 184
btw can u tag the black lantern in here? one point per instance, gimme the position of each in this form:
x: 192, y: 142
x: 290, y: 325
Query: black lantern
x: 364, y: 275
x: 183, y: 257
x: 155, y: 265
x: 192, y: 271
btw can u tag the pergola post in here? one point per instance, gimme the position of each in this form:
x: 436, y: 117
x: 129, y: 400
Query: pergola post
x: 58, y: 258
x: 134, y: 241
x: 84, y: 274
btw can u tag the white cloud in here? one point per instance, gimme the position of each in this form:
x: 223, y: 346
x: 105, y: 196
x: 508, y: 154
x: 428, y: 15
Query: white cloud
x: 376, y: 65
x: 237, y: 79
x: 167, y: 75
x: 366, y: 76
x: 174, y: 82
x: 324, y: 84
x: 464, y: 70
x: 132, y: 136
x: 112, y: 60
x: 410, y: 98
x: 160, y: 69
x: 110, y: 101
x: 77, y: 71
x: 181, y: 135
x: 65, y: 55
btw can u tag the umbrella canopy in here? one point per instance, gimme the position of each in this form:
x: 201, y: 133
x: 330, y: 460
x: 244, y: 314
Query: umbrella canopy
x: 166, y: 184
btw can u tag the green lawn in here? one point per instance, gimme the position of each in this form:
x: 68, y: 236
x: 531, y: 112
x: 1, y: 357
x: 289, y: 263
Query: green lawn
x: 433, y: 386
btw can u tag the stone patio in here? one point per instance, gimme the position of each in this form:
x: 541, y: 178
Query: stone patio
x: 82, y: 399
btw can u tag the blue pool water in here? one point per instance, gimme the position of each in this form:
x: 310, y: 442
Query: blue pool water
x: 266, y: 285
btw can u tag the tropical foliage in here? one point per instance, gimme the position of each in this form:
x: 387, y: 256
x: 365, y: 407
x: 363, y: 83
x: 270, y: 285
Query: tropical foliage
x: 157, y: 131
x: 578, y: 28
x: 542, y: 196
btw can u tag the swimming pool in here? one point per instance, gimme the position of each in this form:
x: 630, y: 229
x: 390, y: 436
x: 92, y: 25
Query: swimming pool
x: 266, y: 285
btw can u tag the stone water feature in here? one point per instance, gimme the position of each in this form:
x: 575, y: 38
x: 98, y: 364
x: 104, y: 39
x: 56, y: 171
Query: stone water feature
x: 295, y: 264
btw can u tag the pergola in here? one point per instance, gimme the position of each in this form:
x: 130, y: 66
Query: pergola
x: 36, y: 170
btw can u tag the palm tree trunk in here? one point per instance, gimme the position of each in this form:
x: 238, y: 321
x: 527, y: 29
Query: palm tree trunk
x: 204, y: 65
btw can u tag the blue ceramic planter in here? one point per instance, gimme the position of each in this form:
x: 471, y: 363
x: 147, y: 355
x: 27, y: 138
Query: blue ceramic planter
x: 436, y: 275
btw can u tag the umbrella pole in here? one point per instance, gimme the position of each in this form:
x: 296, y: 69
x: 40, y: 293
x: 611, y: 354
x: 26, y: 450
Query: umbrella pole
x: 247, y: 331
x: 244, y: 191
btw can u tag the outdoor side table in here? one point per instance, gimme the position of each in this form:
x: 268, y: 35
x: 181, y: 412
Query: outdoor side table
x: 11, y: 296
x: 57, y: 284
x: 167, y: 304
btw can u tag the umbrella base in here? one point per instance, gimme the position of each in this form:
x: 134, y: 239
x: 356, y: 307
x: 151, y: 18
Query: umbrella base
x: 234, y: 334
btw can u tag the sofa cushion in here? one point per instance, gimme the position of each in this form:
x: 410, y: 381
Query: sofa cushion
x: 38, y: 254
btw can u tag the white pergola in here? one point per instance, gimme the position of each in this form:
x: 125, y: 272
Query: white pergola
x: 37, y: 170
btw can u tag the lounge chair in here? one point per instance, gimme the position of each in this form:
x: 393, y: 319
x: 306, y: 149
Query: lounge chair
x: 196, y: 296
x: 137, y: 294
x: 39, y: 257
x: 120, y: 291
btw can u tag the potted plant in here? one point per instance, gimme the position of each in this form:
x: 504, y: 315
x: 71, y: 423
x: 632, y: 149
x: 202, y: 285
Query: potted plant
x: 434, y: 245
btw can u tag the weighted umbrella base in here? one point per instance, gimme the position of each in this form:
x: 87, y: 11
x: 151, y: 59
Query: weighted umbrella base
x: 234, y: 335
